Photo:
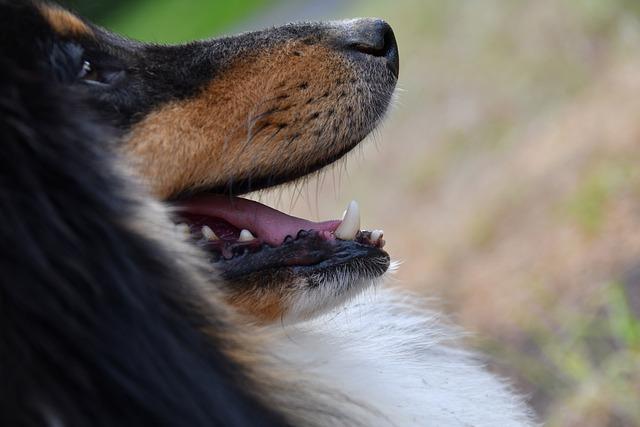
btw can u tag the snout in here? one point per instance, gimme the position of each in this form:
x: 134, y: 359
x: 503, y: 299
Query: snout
x: 266, y: 107
x: 371, y: 36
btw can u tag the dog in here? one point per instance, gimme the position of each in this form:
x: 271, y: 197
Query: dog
x: 139, y: 289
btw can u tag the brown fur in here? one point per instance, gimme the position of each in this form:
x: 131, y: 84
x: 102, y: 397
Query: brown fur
x: 265, y: 306
x: 264, y: 112
x: 63, y: 22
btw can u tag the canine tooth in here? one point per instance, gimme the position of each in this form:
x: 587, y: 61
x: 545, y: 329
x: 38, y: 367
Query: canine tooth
x: 350, y: 224
x: 376, y: 235
x: 208, y: 233
x: 245, y: 236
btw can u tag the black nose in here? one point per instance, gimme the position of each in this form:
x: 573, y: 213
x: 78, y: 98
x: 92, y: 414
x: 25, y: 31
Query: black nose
x: 374, y: 37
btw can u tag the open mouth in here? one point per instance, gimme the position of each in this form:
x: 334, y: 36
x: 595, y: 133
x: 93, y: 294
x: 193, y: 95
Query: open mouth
x: 307, y: 126
x: 243, y: 237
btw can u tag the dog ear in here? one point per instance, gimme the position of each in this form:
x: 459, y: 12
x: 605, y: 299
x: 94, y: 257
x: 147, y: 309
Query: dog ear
x: 64, y: 22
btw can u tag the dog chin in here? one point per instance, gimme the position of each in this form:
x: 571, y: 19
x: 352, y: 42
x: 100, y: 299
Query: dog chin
x: 324, y: 291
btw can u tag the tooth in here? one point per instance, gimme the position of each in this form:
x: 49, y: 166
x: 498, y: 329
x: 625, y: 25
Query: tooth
x: 208, y: 233
x: 376, y: 235
x: 183, y: 230
x: 350, y: 224
x: 245, y: 236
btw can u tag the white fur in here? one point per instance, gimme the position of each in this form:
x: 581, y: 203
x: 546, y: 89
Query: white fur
x: 337, y: 287
x: 385, y: 353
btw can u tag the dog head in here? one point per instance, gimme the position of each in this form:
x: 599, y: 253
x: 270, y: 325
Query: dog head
x: 209, y: 120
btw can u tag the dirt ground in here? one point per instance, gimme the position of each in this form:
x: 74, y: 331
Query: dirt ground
x: 507, y: 180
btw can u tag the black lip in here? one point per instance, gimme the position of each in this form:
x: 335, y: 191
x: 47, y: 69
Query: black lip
x: 307, y: 254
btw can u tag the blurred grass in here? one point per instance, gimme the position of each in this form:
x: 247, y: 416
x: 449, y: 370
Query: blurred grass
x: 181, y: 20
x: 591, y: 360
x: 587, y: 207
x: 171, y: 21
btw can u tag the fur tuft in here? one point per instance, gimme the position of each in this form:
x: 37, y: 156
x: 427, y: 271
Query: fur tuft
x: 384, y: 350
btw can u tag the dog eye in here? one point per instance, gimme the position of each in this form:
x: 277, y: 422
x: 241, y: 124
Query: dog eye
x: 102, y: 76
x: 88, y: 72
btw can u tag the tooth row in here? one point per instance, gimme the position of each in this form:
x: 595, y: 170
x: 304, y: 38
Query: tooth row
x: 208, y: 233
x: 245, y: 236
x: 183, y: 230
x: 350, y: 224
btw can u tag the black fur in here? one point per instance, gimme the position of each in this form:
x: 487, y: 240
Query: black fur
x: 94, y: 329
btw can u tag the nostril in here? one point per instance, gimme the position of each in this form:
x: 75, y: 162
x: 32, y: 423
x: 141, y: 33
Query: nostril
x: 370, y: 49
x: 375, y: 37
x: 372, y: 37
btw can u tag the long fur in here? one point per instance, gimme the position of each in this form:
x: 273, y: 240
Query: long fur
x: 387, y: 351
x: 98, y: 321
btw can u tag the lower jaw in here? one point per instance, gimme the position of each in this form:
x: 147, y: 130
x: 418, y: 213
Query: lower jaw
x: 308, y: 254
x: 288, y: 295
x: 301, y: 278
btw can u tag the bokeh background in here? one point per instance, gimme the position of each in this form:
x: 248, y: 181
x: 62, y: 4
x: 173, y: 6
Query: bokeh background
x: 506, y: 177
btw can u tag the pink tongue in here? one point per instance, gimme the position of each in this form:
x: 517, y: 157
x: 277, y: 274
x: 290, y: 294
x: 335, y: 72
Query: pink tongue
x: 267, y: 224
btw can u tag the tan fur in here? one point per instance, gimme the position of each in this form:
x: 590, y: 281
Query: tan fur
x: 263, y: 306
x: 63, y: 22
x: 266, y: 113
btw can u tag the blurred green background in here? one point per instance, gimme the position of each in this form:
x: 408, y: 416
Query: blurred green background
x: 168, y: 20
x: 510, y: 173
